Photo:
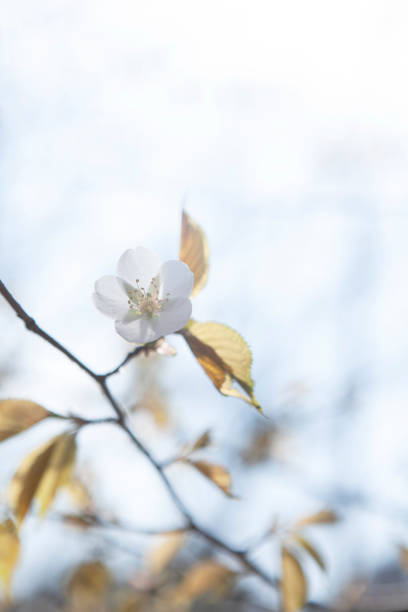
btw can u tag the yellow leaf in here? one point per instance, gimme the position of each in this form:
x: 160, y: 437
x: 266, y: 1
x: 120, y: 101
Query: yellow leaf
x: 18, y: 415
x: 319, y: 518
x: 224, y: 356
x: 9, y: 550
x: 38, y: 465
x: 204, y: 577
x: 217, y: 474
x: 88, y: 588
x: 162, y: 554
x: 57, y: 472
x: 293, y: 583
x: 310, y: 549
x: 194, y: 251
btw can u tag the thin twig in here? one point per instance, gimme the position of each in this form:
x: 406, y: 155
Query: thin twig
x: 94, y: 521
x: 82, y: 422
x: 120, y: 420
x: 128, y: 357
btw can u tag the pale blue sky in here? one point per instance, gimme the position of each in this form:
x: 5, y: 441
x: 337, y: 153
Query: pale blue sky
x: 285, y: 127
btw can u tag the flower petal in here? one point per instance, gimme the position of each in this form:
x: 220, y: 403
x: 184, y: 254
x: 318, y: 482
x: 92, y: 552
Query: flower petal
x: 176, y: 279
x: 139, y: 263
x: 110, y: 298
x: 138, y: 330
x: 173, y: 317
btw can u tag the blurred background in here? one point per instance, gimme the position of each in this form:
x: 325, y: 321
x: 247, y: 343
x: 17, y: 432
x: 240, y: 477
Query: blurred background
x: 282, y: 128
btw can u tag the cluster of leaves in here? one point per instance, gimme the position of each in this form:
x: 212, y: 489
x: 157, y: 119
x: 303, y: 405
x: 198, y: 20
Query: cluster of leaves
x: 163, y: 582
x: 293, y: 580
x: 38, y: 478
x: 91, y: 586
x: 226, y: 360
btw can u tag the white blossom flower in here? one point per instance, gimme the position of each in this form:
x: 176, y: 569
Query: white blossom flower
x: 146, y: 299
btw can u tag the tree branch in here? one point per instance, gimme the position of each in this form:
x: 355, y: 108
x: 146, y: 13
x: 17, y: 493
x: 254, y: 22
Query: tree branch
x: 120, y: 420
x: 32, y: 326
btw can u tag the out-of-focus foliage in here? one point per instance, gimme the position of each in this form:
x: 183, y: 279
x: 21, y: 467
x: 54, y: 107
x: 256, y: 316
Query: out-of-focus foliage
x: 294, y: 587
x: 403, y: 557
x: 202, y: 442
x: 161, y: 554
x: 147, y: 385
x: 207, y: 577
x: 9, y: 551
x: 80, y: 494
x: 17, y: 415
x: 310, y: 549
x: 87, y: 590
x: 216, y: 473
x: 261, y: 445
x: 320, y: 518
x: 41, y: 474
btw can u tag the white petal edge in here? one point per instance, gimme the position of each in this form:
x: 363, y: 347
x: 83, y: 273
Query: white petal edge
x: 110, y: 298
x: 139, y: 263
x: 138, y: 331
x: 176, y: 279
x: 173, y: 317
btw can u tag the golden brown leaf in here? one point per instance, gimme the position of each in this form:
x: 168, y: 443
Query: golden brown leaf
x: 319, y: 518
x: 293, y: 583
x: 17, y: 415
x: 217, y: 474
x: 162, y: 554
x: 88, y: 588
x: 57, y: 472
x: 310, y: 549
x: 194, y: 251
x: 204, y: 577
x: 202, y: 441
x: 27, y: 481
x: 9, y: 550
x: 224, y: 356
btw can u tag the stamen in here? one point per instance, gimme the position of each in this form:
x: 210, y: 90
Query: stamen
x: 147, y: 303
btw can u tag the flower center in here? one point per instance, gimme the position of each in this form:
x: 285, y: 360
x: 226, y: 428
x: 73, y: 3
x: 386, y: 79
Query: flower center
x: 146, y: 303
